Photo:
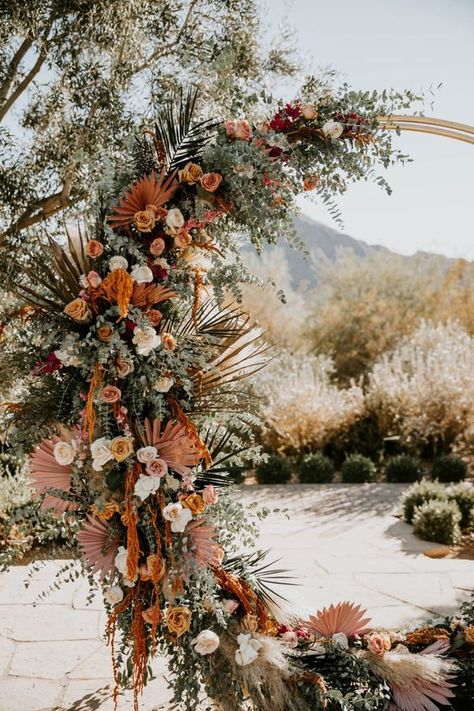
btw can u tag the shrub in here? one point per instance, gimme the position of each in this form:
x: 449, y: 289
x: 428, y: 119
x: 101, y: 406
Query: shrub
x: 463, y: 495
x: 438, y: 521
x: 449, y: 467
x: 236, y: 474
x: 357, y: 469
x: 315, y: 469
x: 418, y: 493
x: 277, y: 470
x: 403, y: 468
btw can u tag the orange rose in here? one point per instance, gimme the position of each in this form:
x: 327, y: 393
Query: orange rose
x: 78, y: 310
x: 121, y: 448
x: 195, y: 503
x: 123, y: 367
x: 157, y: 246
x: 190, y: 173
x: 154, y: 316
x: 94, y: 248
x: 104, y: 333
x: 152, y: 615
x: 154, y: 569
x: 144, y: 220
x: 182, y: 239
x: 310, y: 182
x: 110, y: 394
x: 178, y: 620
x: 168, y: 341
x: 309, y: 112
x: 211, y: 181
x: 469, y: 634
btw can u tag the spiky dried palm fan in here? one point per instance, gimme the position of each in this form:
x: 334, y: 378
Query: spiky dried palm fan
x: 344, y: 617
x: 98, y: 545
x: 181, y: 139
x: 204, y: 548
x: 149, y: 190
x: 53, y: 272
x: 47, y: 475
x: 264, y: 576
x: 174, y: 445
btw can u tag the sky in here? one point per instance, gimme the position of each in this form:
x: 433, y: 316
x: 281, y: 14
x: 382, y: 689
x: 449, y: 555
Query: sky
x: 400, y: 44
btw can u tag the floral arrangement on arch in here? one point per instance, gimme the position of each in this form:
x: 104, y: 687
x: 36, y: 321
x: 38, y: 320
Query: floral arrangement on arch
x: 134, y: 407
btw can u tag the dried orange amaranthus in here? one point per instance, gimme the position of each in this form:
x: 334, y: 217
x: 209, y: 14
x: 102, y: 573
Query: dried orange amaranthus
x: 130, y: 520
x: 118, y: 287
x: 90, y: 417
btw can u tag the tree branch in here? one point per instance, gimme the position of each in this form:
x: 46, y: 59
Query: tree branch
x: 25, y: 82
x: 13, y: 67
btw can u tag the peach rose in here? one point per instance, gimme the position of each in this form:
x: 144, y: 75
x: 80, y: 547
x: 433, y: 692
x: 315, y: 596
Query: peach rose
x: 240, y: 129
x: 211, y: 181
x: 78, y: 310
x: 210, y: 495
x: 310, y: 182
x: 94, y: 248
x: 110, y: 394
x: 182, y: 239
x: 123, y: 367
x: 309, y: 112
x: 154, y: 316
x: 178, y: 620
x: 195, y: 503
x: 121, y: 448
x: 104, y: 333
x: 152, y: 615
x: 190, y: 174
x: 376, y: 644
x: 157, y: 246
x: 144, y: 220
x: 157, y: 467
x: 168, y: 341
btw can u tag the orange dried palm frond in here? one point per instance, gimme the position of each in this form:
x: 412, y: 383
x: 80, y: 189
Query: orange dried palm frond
x: 147, y: 295
x: 149, y: 190
x: 204, y: 548
x: 117, y: 287
x: 344, y: 617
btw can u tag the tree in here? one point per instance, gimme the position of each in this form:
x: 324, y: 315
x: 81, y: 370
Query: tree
x: 76, y: 76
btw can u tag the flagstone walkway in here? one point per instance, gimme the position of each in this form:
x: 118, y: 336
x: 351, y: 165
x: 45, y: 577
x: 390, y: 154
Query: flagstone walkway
x: 341, y: 541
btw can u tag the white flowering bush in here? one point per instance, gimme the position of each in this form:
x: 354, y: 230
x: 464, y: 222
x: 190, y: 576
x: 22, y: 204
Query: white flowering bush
x: 424, y: 390
x: 304, y: 409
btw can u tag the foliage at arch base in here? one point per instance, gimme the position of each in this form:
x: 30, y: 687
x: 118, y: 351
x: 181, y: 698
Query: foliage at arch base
x: 134, y: 405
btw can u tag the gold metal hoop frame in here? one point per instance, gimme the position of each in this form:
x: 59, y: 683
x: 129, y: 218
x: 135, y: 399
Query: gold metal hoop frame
x: 422, y: 124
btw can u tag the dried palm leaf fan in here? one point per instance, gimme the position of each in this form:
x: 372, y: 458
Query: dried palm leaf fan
x: 178, y: 137
x: 54, y: 278
x: 264, y: 576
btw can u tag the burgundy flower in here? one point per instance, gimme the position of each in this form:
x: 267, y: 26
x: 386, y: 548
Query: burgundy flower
x: 48, y: 365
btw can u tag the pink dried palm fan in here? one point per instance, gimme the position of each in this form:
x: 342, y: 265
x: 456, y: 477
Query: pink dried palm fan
x: 98, y: 545
x: 174, y: 445
x: 205, y: 550
x: 47, y: 474
x: 344, y: 617
x: 149, y: 190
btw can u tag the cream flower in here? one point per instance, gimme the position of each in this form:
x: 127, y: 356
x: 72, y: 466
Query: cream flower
x: 113, y: 595
x: 145, y: 486
x: 174, y: 220
x: 64, y: 452
x: 145, y: 339
x: 172, y: 483
x: 178, y: 515
x: 117, y: 262
x: 340, y: 639
x: 121, y: 565
x: 100, y: 453
x: 141, y: 274
x: 163, y: 384
x: 147, y: 454
x: 247, y: 651
x: 333, y: 129
x: 206, y: 642
x: 309, y: 112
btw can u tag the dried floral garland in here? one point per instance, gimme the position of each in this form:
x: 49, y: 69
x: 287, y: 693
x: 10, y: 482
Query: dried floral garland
x: 138, y: 392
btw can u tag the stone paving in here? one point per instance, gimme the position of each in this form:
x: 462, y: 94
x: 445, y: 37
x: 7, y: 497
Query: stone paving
x: 341, y: 541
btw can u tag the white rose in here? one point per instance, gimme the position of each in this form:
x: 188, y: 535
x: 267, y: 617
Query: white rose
x: 146, y: 485
x: 290, y: 638
x: 100, y: 453
x: 179, y: 516
x: 121, y: 565
x: 174, y: 219
x: 206, y: 642
x: 146, y: 339
x: 141, y: 274
x: 163, y: 384
x: 333, y: 129
x: 340, y: 639
x: 64, y: 452
x: 247, y: 651
x: 117, y: 262
x: 147, y: 454
x: 113, y: 595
